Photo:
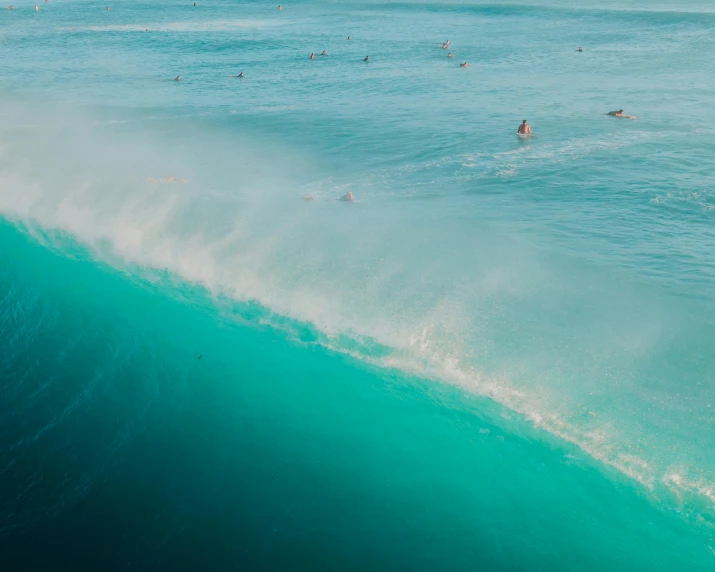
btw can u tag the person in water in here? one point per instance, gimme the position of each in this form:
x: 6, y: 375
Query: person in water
x: 619, y: 113
x: 279, y: 7
x: 524, y: 128
x: 324, y: 53
x: 348, y: 38
x: 367, y: 59
x: 177, y: 78
x: 464, y: 65
x: 580, y: 49
x: 444, y: 46
x: 312, y: 56
x: 449, y: 55
x: 240, y: 75
x: 347, y: 197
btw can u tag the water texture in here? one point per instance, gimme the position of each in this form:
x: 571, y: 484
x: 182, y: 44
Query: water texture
x: 498, y: 357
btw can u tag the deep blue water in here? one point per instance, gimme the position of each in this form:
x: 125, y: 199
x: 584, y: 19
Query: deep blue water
x: 498, y: 357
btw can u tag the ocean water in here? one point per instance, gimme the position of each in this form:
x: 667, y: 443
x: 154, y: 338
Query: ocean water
x: 498, y: 357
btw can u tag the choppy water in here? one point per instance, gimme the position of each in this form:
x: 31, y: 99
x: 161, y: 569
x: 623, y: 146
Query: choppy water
x: 499, y: 357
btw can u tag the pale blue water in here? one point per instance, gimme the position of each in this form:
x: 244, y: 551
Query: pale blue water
x: 499, y: 357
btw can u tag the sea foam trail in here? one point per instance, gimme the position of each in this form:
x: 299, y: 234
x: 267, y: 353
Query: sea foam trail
x: 437, y: 294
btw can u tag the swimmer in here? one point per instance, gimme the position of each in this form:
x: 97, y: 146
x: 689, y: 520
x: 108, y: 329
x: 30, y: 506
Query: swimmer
x: 312, y: 56
x: 324, y: 53
x: 464, y: 65
x: 447, y: 43
x: 524, y: 128
x: 348, y: 38
x: 10, y: 7
x: 367, y: 59
x: 619, y: 113
x: 308, y: 198
x: 240, y: 75
x: 279, y: 7
x: 347, y: 197
x: 177, y: 78
x: 37, y: 8
x: 580, y: 49
x: 444, y: 46
x: 195, y: 4
x: 449, y: 55
x: 107, y: 7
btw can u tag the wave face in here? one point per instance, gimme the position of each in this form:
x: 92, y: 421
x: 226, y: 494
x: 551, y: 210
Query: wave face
x: 560, y: 289
x: 270, y: 454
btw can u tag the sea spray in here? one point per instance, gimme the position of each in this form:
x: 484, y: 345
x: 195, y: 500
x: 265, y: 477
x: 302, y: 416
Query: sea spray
x: 568, y: 278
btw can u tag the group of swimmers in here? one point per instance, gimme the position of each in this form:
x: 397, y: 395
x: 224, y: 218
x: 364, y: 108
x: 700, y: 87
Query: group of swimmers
x: 450, y: 55
x: 523, y: 130
x: 324, y: 53
x: 37, y: 8
x: 367, y: 58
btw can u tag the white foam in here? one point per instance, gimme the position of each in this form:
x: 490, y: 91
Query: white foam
x: 182, y: 27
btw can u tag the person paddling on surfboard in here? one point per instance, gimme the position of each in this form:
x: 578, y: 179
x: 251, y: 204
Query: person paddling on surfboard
x: 619, y: 113
x: 524, y: 128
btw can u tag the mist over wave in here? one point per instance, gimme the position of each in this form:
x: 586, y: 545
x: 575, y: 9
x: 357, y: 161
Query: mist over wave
x: 434, y: 292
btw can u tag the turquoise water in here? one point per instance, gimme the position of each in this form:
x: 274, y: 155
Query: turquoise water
x: 499, y: 357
